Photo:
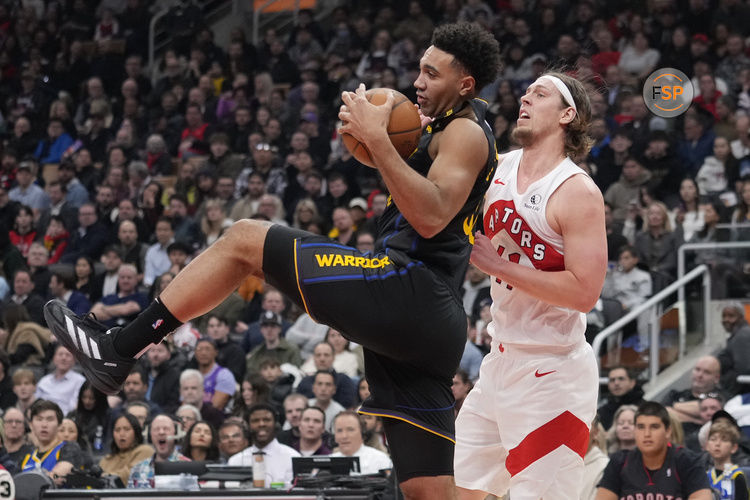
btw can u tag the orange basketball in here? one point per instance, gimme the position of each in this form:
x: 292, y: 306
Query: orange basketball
x: 404, y: 127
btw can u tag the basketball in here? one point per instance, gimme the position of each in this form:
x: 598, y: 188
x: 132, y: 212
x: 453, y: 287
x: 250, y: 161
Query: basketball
x: 404, y: 127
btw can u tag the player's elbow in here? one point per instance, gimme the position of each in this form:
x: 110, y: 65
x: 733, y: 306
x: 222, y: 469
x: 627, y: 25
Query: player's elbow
x: 429, y: 227
x: 585, y: 302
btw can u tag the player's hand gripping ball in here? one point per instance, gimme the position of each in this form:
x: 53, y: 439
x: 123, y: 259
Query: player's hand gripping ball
x: 404, y: 127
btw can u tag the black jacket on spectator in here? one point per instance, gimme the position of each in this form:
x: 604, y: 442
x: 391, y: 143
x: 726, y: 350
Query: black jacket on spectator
x: 165, y: 387
x: 90, y: 244
x: 611, y: 403
x: 33, y: 304
x: 8, y: 398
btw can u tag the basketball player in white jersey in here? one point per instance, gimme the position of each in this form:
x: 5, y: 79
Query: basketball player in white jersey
x: 524, y: 427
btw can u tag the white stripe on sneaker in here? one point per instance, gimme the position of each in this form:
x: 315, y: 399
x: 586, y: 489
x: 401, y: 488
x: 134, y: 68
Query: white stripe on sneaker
x: 95, y: 350
x: 71, y: 331
x: 82, y: 341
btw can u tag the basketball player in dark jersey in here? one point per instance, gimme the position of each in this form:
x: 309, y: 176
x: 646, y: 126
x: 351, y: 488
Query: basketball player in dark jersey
x: 401, y: 302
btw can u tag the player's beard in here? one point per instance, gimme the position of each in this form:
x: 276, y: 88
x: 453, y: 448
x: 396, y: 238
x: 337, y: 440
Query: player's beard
x: 522, y: 135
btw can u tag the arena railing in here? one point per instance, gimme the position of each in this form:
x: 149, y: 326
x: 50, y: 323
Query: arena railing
x: 682, y: 263
x: 652, y: 307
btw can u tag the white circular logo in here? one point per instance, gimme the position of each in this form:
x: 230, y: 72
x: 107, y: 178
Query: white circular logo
x: 668, y: 92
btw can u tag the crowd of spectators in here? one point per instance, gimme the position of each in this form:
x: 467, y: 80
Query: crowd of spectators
x: 113, y: 176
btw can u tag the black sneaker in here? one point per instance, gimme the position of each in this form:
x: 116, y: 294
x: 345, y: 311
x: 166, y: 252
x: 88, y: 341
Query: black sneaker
x: 91, y: 344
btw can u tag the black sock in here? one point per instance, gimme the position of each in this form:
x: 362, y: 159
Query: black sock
x: 149, y: 327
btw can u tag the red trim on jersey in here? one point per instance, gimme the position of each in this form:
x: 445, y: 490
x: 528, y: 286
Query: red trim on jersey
x: 493, y: 224
x: 564, y: 430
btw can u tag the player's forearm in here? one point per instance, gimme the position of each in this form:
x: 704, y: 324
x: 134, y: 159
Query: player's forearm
x: 559, y: 288
x: 417, y: 197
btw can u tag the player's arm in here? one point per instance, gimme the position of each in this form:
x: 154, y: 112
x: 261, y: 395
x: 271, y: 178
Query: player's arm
x: 428, y: 203
x: 605, y: 494
x: 704, y: 494
x: 576, y: 211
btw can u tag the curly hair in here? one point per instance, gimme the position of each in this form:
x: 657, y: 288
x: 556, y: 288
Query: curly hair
x: 473, y: 47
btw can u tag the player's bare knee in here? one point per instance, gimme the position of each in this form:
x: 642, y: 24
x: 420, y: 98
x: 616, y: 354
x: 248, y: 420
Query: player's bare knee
x: 433, y: 488
x: 247, y: 235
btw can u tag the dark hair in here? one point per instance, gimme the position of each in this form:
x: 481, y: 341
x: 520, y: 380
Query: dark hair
x: 213, y: 449
x: 473, y: 47
x: 634, y: 253
x: 101, y: 406
x: 66, y: 278
x: 141, y: 373
x: 89, y: 262
x: 5, y: 361
x: 41, y: 405
x: 166, y: 219
x: 262, y: 394
x: 13, y: 314
x: 59, y: 220
x: 219, y: 317
x: 262, y: 406
x: 628, y: 371
x: 324, y: 372
x: 114, y: 450
x: 653, y: 409
x: 464, y: 376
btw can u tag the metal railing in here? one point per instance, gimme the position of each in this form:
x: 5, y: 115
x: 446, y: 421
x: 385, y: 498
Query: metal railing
x: 257, y: 12
x: 681, y: 263
x: 211, y: 9
x: 653, y: 326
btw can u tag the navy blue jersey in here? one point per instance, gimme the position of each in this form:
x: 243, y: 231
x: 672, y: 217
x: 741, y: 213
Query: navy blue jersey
x: 446, y: 253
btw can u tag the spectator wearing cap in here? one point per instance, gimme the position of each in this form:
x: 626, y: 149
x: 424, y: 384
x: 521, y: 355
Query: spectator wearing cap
x: 89, y: 239
x: 121, y: 307
x: 219, y: 385
x: 358, y: 211
x: 26, y: 191
x: 76, y: 193
x: 273, y: 301
x: 157, y: 260
x: 273, y: 345
x: 222, y: 161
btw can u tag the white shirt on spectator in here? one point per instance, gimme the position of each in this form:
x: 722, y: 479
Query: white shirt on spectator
x: 63, y: 391
x: 277, y: 458
x: 156, y: 263
x: 371, y: 461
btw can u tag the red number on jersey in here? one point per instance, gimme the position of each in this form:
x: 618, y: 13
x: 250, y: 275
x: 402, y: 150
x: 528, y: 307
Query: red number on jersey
x: 513, y: 257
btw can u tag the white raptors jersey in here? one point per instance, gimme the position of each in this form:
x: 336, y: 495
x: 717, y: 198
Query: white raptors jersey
x: 516, y: 223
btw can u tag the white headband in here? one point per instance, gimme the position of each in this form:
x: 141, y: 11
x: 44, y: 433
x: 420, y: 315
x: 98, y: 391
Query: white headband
x: 567, y: 96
